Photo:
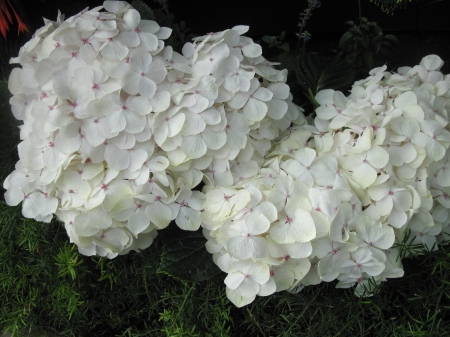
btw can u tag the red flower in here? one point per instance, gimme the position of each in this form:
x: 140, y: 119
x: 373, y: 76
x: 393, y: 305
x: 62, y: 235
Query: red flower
x: 5, y: 16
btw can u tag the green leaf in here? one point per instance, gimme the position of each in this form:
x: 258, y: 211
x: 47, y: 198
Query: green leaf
x: 368, y: 58
x: 288, y: 60
x: 285, y: 46
x: 267, y: 39
x: 143, y: 9
x: 185, y: 257
x: 317, y: 72
x: 312, y: 98
x: 345, y: 40
x: 355, y: 30
x: 392, y: 38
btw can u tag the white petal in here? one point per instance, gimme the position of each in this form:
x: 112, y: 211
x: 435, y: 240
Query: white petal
x: 159, y: 214
x: 138, y: 222
x: 188, y: 219
x: 364, y: 175
x: 255, y: 110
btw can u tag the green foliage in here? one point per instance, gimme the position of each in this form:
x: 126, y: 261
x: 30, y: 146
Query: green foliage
x: 185, y: 257
x: 389, y: 6
x: 277, y: 41
x: 365, y: 47
x: 67, y: 261
x: 315, y: 73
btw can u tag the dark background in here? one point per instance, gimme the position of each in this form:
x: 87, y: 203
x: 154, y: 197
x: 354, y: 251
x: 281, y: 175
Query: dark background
x: 423, y: 27
x: 267, y: 17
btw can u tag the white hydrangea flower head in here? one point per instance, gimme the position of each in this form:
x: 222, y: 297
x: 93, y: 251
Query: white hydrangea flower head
x: 369, y: 175
x: 118, y: 130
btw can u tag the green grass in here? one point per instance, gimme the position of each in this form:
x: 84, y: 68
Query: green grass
x: 46, y: 288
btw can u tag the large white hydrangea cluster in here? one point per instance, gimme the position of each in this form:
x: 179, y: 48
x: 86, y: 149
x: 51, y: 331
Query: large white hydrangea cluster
x: 332, y: 199
x: 118, y: 129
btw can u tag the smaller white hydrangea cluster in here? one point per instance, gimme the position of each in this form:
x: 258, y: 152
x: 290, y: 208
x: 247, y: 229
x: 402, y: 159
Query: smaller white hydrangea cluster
x: 391, y: 139
x: 118, y: 129
x: 332, y: 199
